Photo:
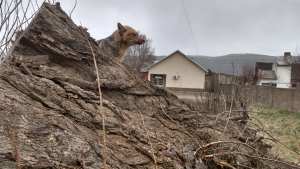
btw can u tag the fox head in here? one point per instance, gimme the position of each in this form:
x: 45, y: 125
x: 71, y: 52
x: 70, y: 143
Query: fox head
x: 128, y: 36
x: 123, y: 38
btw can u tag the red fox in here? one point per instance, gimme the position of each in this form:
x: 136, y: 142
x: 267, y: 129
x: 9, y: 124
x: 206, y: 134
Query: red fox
x: 117, y: 44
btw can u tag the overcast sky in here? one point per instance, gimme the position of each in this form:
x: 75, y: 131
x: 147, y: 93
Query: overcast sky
x: 208, y: 27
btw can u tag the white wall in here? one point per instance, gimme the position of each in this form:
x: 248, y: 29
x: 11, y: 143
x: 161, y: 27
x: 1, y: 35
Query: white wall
x: 261, y: 81
x: 190, y: 75
x: 283, y: 76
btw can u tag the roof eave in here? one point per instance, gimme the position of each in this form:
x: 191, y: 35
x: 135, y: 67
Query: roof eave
x: 181, y: 53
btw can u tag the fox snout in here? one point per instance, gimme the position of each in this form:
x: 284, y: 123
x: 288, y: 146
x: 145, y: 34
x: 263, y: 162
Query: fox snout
x: 140, y: 41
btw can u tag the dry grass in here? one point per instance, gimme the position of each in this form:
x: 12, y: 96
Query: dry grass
x: 285, y: 127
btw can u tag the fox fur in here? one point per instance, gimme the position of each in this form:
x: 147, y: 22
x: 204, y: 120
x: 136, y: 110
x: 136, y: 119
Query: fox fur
x: 117, y: 43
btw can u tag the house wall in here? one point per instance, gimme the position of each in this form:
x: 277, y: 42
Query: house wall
x: 295, y: 77
x: 283, y: 76
x: 190, y: 75
x: 261, y: 81
x: 264, y: 66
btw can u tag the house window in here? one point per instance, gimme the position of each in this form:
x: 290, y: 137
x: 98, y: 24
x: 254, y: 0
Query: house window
x: 274, y: 85
x: 158, y: 80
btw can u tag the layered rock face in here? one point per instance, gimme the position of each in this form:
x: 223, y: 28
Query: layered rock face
x: 50, y: 116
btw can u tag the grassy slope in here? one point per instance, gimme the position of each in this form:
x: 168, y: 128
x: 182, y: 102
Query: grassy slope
x: 284, y: 126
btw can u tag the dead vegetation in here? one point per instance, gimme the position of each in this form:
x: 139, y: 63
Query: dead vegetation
x: 54, y: 82
x: 280, y: 128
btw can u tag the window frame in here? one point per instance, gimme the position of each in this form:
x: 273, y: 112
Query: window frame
x: 154, y: 79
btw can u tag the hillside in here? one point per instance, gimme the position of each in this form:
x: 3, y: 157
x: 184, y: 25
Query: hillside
x: 229, y: 64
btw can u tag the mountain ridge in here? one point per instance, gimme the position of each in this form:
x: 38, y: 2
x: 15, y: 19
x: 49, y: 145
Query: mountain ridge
x: 229, y: 64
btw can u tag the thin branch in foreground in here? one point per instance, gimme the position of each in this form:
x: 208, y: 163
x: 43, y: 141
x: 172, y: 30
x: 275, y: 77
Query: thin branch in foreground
x: 223, y: 163
x: 13, y: 136
x: 251, y: 156
x: 222, y: 142
x: 15, y: 15
x: 230, y: 110
x: 74, y: 7
x: 100, y: 102
x: 272, y: 138
x: 148, y: 137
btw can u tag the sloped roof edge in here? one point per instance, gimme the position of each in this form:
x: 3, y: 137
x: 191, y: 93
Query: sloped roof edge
x: 181, y: 53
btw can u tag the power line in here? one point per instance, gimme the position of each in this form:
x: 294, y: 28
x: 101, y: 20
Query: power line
x: 190, y: 26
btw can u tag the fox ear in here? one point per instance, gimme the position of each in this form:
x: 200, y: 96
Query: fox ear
x: 121, y: 28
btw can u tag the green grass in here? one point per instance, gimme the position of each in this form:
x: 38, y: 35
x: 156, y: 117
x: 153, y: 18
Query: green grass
x: 282, y: 125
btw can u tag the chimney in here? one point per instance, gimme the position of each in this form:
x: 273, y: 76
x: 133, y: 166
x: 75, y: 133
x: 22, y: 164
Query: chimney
x: 287, y: 54
x: 287, y: 57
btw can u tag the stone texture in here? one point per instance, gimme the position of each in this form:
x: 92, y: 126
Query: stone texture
x: 50, y: 118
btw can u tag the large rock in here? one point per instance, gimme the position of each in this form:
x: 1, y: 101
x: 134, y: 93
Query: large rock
x: 50, y: 116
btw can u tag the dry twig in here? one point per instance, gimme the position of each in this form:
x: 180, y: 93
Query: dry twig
x: 148, y: 138
x: 74, y: 7
x: 272, y: 138
x: 253, y: 157
x: 100, y: 101
x: 15, y: 16
x: 13, y: 136
x: 202, y: 148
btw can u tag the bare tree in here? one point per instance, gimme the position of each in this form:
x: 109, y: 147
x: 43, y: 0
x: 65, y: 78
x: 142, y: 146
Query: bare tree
x: 140, y: 56
x: 297, y: 55
x: 248, y: 74
x: 15, y: 15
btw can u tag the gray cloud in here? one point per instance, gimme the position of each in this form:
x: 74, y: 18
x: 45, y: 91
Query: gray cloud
x: 217, y: 27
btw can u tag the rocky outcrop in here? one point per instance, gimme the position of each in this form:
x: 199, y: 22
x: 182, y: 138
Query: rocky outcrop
x: 50, y: 116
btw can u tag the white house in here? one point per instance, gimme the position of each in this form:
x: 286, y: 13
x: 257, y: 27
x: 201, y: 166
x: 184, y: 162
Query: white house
x: 284, y: 71
x: 177, y: 71
x: 276, y: 74
x: 266, y: 74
